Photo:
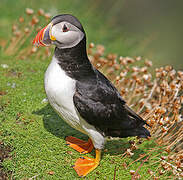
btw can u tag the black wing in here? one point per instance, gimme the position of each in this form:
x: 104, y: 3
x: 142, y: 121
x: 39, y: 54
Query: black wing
x: 101, y: 105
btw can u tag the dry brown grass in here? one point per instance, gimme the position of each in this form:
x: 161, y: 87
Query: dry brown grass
x: 156, y: 96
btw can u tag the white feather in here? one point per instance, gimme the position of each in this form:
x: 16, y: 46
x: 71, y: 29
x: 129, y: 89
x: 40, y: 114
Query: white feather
x: 67, y: 39
x: 60, y: 89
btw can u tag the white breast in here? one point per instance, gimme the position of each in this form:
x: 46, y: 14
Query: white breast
x: 60, y: 90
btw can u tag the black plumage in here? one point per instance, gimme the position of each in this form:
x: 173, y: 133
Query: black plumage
x: 96, y: 99
x: 101, y: 105
x: 68, y: 18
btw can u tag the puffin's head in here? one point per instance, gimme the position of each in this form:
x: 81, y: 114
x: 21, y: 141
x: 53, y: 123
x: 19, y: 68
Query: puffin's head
x: 64, y: 31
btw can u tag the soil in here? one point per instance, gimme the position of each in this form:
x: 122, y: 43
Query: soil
x: 4, y: 153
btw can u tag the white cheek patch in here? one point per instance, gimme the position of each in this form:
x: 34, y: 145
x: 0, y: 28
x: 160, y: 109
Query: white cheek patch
x: 67, y: 39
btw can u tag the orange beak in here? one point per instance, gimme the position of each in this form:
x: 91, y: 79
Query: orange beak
x: 44, y: 37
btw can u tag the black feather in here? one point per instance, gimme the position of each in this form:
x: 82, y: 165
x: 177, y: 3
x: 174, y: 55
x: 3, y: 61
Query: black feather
x: 101, y: 105
x: 96, y: 99
x: 68, y: 18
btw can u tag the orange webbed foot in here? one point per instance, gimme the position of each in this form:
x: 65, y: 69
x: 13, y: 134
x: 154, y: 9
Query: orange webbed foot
x: 85, y: 165
x: 80, y: 145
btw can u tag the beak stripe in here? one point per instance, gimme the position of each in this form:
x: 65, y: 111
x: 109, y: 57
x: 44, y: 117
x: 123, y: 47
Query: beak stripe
x: 41, y: 36
x: 38, y: 40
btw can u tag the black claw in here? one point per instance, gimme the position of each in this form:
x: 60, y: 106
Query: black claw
x: 67, y: 144
x: 72, y: 166
x: 82, y: 157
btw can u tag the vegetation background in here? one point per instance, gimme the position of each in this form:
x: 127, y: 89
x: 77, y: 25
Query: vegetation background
x: 152, y: 29
x: 32, y: 136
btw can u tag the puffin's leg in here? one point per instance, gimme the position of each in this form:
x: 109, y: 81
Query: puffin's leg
x: 85, y: 165
x: 80, y: 145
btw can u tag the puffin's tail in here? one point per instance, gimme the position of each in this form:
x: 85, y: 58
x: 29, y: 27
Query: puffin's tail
x: 141, y: 132
x: 132, y: 125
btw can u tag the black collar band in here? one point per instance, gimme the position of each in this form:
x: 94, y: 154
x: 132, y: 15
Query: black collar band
x: 74, y: 61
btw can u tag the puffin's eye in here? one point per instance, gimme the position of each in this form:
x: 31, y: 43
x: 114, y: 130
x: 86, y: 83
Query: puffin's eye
x: 65, y: 28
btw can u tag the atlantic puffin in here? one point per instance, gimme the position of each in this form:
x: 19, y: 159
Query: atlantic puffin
x: 82, y: 95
